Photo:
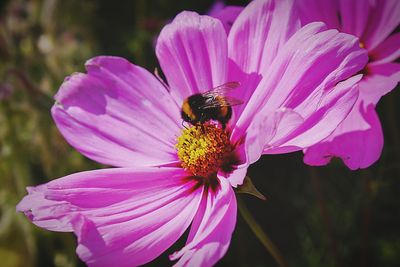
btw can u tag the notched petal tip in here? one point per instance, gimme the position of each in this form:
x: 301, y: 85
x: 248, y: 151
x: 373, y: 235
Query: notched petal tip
x: 358, y: 141
x: 187, y: 20
x: 192, y: 51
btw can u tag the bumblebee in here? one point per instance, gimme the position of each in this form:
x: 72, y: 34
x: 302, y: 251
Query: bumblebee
x: 211, y: 105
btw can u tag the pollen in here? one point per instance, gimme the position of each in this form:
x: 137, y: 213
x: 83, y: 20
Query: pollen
x: 203, y: 150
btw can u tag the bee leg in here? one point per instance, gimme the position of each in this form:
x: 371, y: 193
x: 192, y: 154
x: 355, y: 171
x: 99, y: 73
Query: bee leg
x: 223, y: 126
x: 201, y: 121
x: 184, y: 125
x: 202, y: 128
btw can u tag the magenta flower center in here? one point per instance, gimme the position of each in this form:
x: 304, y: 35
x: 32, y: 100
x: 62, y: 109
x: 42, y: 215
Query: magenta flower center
x: 203, y: 150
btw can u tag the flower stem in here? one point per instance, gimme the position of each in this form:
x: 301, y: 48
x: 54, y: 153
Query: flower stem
x: 325, y: 216
x: 367, y: 215
x: 260, y: 234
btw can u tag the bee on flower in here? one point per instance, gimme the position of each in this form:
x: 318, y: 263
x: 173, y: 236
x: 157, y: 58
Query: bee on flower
x: 168, y: 178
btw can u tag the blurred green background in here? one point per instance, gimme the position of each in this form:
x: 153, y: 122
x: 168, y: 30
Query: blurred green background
x: 316, y: 216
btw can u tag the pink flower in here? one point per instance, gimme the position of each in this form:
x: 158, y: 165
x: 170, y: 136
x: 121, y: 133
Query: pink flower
x: 359, y: 139
x: 296, y: 89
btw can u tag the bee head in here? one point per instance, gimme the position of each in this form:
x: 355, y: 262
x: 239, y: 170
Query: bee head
x: 186, y: 117
x: 187, y: 113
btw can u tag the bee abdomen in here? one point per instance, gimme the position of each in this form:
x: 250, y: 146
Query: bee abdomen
x: 225, y: 113
x: 187, y: 112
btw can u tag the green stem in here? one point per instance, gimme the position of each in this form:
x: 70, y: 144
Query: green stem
x: 260, y: 234
x: 366, y: 222
x: 325, y: 216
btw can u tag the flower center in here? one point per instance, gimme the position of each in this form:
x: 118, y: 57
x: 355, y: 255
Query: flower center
x: 203, y: 150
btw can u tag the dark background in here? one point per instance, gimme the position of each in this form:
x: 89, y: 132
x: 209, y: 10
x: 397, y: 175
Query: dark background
x: 327, y: 216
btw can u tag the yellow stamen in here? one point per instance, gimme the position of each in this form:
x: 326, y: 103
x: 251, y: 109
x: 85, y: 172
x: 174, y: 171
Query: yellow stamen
x: 203, y: 149
x: 362, y: 45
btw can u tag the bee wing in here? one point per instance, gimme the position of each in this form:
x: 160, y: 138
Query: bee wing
x: 221, y: 90
x: 215, y: 102
x: 213, y: 96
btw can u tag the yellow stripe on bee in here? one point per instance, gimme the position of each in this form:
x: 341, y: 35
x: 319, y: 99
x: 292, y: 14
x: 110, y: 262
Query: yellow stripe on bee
x: 188, y: 110
x: 223, y: 111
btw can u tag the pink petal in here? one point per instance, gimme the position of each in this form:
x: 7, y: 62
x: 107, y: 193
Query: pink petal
x: 304, y: 75
x: 371, y: 21
x: 354, y: 16
x: 262, y: 132
x: 358, y: 141
x: 317, y: 10
x: 265, y: 131
x: 247, y: 152
x: 121, y: 216
x: 227, y: 15
x: 259, y: 32
x: 383, y: 20
x: 287, y: 131
x: 333, y: 108
x: 255, y: 39
x: 216, y: 7
x: 236, y: 177
x: 381, y: 79
x: 211, y: 230
x: 118, y: 114
x: 192, y: 51
x: 388, y: 50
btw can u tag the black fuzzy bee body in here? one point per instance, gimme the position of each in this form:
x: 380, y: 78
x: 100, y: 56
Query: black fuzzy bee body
x: 211, y: 105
